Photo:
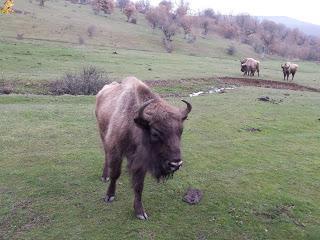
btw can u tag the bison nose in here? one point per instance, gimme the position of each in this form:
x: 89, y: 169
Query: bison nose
x: 176, y: 164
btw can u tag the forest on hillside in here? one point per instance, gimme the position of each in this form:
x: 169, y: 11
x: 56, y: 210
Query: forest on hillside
x: 266, y: 37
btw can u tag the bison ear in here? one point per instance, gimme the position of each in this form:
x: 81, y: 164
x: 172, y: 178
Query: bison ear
x: 142, y: 123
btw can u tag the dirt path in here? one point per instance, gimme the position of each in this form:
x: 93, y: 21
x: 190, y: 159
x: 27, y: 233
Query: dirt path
x: 266, y: 83
x: 191, y: 82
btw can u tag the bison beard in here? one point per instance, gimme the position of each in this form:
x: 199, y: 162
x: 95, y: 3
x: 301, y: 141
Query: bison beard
x: 138, y: 124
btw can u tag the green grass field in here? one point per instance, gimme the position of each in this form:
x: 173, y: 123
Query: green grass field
x: 256, y: 185
x: 50, y: 48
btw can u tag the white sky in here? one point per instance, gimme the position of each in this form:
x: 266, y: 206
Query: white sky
x: 304, y: 10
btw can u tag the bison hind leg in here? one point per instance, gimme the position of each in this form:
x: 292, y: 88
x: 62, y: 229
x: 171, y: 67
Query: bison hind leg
x: 108, y: 199
x: 142, y: 216
x: 114, y: 162
x: 105, y: 172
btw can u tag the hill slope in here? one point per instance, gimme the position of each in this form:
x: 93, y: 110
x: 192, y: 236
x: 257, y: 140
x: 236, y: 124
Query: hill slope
x: 308, y: 28
x: 49, y: 47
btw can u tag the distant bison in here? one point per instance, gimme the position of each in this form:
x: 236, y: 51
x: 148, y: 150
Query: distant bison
x: 249, y: 66
x: 289, y: 68
x: 136, y: 123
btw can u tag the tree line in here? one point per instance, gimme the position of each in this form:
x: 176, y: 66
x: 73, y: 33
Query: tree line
x: 266, y: 37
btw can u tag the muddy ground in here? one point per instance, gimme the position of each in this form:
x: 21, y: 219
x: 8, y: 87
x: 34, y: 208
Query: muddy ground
x: 266, y: 84
x: 186, y: 86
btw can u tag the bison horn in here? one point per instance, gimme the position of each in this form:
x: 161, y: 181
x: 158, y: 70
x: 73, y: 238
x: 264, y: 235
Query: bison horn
x: 186, y: 111
x: 139, y: 120
x: 143, y: 106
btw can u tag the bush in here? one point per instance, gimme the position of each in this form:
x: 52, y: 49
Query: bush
x: 91, y: 30
x: 133, y: 21
x: 88, y: 82
x: 20, y: 36
x: 81, y: 40
x: 231, y: 50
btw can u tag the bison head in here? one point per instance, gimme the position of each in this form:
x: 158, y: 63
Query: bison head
x: 285, y: 67
x: 162, y: 127
x: 243, y: 67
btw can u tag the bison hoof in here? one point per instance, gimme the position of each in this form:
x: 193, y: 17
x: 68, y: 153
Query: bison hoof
x: 109, y: 199
x: 143, y: 216
x: 104, y: 179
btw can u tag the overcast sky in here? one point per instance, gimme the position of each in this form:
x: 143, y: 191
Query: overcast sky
x: 304, y: 10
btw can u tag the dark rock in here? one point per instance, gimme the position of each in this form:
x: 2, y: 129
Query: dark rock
x: 264, y: 99
x: 253, y: 129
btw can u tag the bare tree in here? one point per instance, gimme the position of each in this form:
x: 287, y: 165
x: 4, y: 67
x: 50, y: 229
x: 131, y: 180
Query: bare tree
x: 122, y: 3
x: 186, y: 23
x: 142, y: 6
x: 129, y: 10
x: 107, y: 6
x: 152, y: 17
x: 164, y: 19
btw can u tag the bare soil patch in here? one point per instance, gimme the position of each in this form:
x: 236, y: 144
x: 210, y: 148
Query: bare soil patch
x: 188, y: 85
x: 266, y: 84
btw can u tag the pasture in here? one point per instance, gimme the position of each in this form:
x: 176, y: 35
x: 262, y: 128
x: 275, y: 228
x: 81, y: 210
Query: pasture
x: 50, y: 48
x: 256, y: 184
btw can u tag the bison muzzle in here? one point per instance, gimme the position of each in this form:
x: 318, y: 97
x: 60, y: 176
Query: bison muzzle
x: 137, y: 124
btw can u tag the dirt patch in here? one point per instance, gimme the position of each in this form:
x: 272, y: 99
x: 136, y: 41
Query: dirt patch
x: 284, y: 211
x: 227, y: 81
x: 266, y: 84
x: 186, y: 86
x: 253, y: 129
x: 270, y: 100
x: 20, y: 219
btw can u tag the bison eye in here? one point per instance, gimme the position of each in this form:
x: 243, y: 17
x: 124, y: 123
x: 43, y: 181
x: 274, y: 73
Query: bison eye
x: 155, y: 135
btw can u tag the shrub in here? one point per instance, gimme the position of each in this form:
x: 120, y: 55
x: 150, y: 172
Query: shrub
x: 91, y: 30
x: 88, y: 82
x: 133, y: 21
x: 81, y: 40
x: 20, y: 36
x: 231, y: 50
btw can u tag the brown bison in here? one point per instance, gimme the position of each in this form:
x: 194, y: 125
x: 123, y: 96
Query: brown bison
x: 289, y: 68
x: 136, y: 123
x: 249, y: 66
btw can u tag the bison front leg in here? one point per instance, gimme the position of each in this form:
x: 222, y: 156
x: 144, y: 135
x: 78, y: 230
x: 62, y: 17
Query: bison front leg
x: 137, y: 182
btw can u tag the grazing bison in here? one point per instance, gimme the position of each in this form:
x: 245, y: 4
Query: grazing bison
x: 289, y: 68
x: 249, y: 66
x: 136, y: 123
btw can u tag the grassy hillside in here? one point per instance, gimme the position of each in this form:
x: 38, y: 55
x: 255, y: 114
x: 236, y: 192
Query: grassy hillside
x: 50, y: 47
x: 257, y: 185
